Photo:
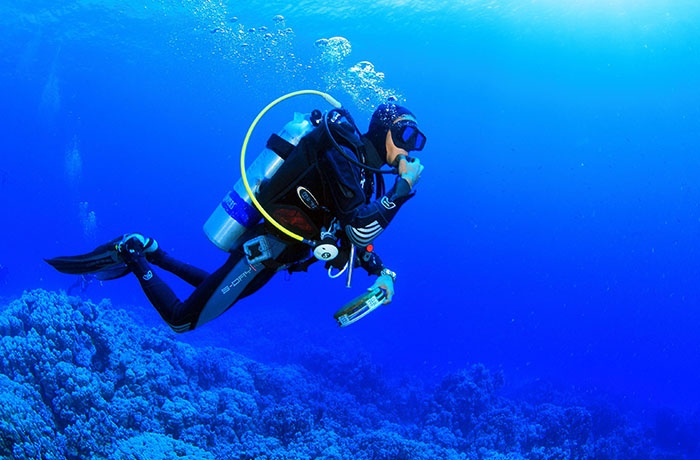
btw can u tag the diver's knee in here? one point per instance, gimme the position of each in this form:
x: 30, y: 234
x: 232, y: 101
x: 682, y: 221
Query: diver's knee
x: 181, y: 328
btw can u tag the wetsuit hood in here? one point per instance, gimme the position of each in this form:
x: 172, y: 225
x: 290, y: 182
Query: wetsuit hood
x: 379, y: 125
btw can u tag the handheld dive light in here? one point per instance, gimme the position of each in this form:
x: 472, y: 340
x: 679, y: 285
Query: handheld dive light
x: 360, y: 307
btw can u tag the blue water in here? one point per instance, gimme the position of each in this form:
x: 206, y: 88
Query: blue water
x: 554, y: 234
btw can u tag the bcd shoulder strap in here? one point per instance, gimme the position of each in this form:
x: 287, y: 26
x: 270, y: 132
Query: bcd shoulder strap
x: 303, y: 158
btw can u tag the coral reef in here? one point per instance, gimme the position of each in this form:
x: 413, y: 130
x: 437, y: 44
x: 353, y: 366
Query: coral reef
x: 82, y: 380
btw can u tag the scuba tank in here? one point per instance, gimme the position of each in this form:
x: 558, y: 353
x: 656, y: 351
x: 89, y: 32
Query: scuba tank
x: 236, y: 213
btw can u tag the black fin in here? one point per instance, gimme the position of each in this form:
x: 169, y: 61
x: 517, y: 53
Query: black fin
x: 103, y: 262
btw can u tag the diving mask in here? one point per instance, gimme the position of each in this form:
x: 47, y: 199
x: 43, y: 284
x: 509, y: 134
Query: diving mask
x: 406, y: 135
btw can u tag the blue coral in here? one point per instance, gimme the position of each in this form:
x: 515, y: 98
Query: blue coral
x: 80, y: 380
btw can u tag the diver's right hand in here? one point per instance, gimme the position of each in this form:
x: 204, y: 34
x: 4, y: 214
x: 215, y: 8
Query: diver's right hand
x: 385, y: 283
x: 410, y: 170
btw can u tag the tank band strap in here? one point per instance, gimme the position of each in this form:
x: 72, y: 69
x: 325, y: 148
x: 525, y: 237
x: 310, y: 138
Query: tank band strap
x: 280, y: 146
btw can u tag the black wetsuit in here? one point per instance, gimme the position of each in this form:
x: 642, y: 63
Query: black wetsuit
x: 337, y: 188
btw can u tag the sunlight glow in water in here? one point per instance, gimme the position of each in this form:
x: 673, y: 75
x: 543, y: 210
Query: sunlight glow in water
x: 648, y: 11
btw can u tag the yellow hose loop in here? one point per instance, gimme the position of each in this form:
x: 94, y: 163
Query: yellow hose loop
x: 332, y: 101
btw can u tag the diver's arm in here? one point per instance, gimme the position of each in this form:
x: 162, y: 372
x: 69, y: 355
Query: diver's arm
x: 370, y: 261
x: 362, y: 222
x: 368, y: 221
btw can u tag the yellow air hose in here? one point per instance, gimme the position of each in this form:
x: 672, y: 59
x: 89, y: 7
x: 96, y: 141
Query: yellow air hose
x: 332, y: 101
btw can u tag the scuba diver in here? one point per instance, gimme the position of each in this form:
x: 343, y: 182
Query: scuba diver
x: 328, y: 194
x: 81, y: 285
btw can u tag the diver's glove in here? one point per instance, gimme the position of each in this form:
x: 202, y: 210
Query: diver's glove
x: 410, y: 169
x: 385, y: 282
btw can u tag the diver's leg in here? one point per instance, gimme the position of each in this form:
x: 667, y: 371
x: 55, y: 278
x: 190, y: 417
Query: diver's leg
x: 236, y: 279
x: 185, y: 316
x: 189, y: 273
x: 215, y: 294
x: 241, y: 276
x: 159, y: 294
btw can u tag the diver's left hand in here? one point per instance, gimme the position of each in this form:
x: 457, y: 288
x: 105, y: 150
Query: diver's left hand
x: 386, y: 283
